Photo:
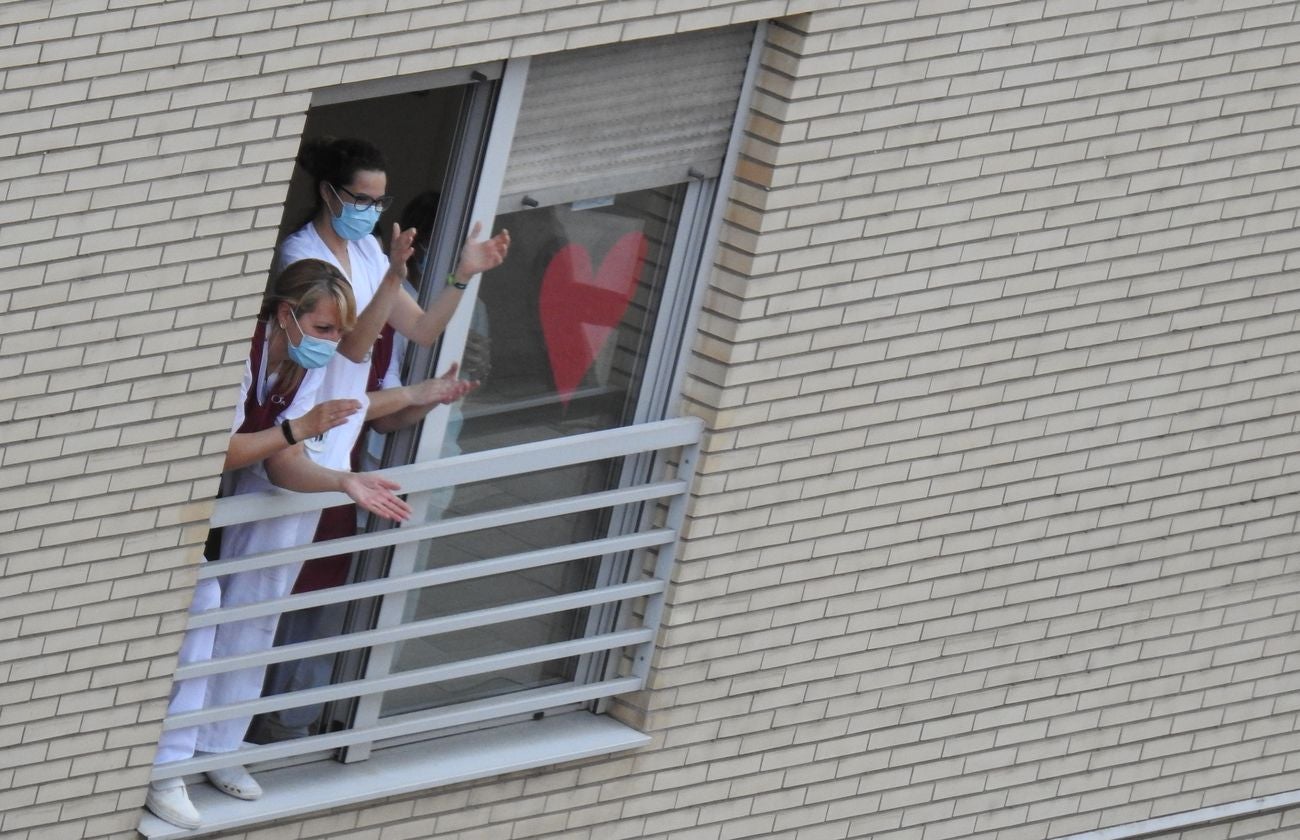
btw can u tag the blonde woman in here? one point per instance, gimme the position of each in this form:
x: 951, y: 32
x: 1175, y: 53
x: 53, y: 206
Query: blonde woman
x: 308, y: 313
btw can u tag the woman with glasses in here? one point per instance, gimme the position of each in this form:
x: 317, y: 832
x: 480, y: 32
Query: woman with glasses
x: 351, y: 186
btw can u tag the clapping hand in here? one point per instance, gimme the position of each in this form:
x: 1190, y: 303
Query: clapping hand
x: 480, y: 255
x: 400, y: 249
x: 442, y: 389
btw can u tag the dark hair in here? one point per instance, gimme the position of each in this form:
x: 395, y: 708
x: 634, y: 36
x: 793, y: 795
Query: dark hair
x: 337, y: 160
x: 420, y: 211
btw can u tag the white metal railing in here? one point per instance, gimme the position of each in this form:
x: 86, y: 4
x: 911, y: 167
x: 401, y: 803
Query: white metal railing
x: 672, y: 445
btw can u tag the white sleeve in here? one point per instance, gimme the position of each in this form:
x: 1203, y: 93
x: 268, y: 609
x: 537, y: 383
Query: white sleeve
x: 286, y: 254
x: 369, y: 265
x: 300, y: 245
x: 392, y: 377
x: 244, y: 385
x: 305, y: 400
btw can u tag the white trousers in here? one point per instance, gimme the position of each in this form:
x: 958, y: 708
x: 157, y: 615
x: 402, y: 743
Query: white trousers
x: 189, y: 695
x: 255, y: 634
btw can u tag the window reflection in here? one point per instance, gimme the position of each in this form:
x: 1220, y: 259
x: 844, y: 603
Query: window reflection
x: 571, y: 316
x: 560, y: 340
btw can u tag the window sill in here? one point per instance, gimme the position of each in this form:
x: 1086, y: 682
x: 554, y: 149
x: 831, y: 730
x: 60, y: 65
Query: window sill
x: 322, y: 785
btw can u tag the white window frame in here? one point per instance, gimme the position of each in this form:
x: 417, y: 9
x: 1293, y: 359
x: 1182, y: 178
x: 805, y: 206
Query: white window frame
x: 433, y: 433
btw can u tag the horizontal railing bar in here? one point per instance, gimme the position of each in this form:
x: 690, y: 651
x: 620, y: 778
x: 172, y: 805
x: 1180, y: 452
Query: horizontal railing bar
x: 437, y: 577
x: 411, y: 679
x: 477, y: 466
x: 448, y: 527
x: 477, y: 711
x: 426, y: 628
x: 418, y: 478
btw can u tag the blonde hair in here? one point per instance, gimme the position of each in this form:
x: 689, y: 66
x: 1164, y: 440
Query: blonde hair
x: 303, y: 285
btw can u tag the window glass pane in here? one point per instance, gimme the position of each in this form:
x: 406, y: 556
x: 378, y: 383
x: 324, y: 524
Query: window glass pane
x: 560, y: 341
x: 567, y: 320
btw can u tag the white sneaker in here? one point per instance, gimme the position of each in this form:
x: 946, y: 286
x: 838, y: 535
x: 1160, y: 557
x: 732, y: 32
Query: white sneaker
x: 235, y: 781
x: 173, y: 805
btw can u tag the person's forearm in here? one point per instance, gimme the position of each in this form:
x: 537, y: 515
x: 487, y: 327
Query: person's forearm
x: 401, y: 419
x: 426, y: 327
x: 395, y: 408
x: 360, y: 339
x: 388, y: 401
x: 293, y: 470
x: 247, y: 448
x: 476, y: 256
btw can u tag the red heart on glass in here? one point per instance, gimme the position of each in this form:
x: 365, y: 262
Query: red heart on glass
x: 580, y: 309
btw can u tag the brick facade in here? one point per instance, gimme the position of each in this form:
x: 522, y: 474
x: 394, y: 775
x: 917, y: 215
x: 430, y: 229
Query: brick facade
x: 999, y: 359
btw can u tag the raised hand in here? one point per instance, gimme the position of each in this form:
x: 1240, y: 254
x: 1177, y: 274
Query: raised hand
x: 376, y: 495
x: 442, y: 389
x: 480, y: 255
x: 400, y: 248
x: 323, y: 417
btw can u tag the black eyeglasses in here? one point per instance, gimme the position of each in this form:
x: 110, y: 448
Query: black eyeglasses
x: 364, y: 202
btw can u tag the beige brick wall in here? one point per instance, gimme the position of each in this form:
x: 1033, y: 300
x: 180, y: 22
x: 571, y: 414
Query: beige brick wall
x: 994, y: 532
x: 1000, y: 536
x: 147, y: 151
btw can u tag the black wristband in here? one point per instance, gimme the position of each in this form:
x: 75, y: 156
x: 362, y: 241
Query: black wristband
x: 288, y: 432
x: 451, y: 281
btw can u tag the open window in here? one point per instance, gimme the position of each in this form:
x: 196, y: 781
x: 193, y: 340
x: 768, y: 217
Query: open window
x: 605, y: 194
x: 548, y: 503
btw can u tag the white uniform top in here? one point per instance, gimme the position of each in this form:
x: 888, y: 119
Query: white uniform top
x: 344, y: 379
x: 393, y: 375
x: 253, y: 478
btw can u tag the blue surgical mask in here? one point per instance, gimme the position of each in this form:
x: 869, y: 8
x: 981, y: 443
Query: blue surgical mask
x: 352, y: 223
x: 310, y: 352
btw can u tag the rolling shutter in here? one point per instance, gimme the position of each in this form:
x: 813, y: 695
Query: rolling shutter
x: 625, y: 117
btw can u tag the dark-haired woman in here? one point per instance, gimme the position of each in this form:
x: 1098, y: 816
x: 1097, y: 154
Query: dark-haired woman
x: 351, y: 185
